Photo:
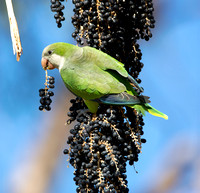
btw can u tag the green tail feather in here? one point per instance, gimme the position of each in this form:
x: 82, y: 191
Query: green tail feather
x: 155, y: 112
x: 150, y: 109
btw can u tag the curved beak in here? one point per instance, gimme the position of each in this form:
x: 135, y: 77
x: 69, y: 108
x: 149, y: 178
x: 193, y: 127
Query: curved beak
x: 46, y: 65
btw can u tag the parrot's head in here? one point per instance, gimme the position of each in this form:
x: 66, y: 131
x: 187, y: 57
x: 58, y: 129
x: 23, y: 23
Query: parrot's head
x: 53, y: 55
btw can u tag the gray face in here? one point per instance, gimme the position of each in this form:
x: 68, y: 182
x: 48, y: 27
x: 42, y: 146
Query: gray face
x: 50, y: 60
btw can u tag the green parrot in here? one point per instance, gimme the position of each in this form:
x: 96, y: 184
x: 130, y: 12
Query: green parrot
x: 96, y: 77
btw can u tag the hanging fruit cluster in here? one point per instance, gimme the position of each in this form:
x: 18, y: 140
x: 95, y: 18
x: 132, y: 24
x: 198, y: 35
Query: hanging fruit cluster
x: 101, y: 145
x: 57, y: 6
x: 46, y: 93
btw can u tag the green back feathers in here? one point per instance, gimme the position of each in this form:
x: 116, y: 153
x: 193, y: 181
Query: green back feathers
x: 105, y: 61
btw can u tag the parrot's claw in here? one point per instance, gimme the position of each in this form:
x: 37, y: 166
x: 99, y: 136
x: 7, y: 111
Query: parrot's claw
x: 83, y: 112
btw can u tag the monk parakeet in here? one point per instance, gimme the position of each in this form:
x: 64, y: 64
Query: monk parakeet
x: 96, y: 77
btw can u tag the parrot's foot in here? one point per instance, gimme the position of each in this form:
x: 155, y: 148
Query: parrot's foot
x: 83, y: 112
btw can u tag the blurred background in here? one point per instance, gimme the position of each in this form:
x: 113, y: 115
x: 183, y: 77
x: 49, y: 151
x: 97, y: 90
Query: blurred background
x: 32, y: 142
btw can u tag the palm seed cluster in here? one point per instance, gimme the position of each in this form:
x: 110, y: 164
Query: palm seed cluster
x: 46, y: 93
x: 57, y: 6
x: 101, y: 145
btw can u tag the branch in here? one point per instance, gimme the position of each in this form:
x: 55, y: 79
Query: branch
x: 17, y: 48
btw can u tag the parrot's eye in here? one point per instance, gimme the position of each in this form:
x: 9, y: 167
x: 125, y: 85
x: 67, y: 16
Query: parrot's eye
x: 50, y: 52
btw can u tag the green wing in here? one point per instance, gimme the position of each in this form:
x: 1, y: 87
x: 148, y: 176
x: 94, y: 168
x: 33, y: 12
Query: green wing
x: 83, y: 75
x: 90, y: 74
x: 106, y: 62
